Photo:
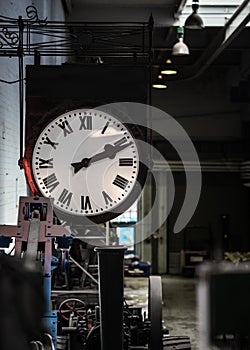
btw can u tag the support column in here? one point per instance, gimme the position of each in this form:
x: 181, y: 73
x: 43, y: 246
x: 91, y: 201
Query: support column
x: 111, y: 287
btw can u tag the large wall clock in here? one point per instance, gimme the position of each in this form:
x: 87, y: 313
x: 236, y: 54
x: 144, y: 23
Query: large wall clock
x: 89, y: 162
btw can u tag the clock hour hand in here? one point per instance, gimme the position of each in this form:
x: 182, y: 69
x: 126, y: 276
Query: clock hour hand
x: 110, y: 151
x: 85, y: 162
x: 79, y: 165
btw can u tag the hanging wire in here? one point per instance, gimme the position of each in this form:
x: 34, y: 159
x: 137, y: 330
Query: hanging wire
x: 11, y: 82
x: 8, y: 18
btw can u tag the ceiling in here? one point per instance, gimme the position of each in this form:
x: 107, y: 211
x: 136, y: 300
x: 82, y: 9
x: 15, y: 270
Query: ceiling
x: 125, y: 11
x: 207, y: 46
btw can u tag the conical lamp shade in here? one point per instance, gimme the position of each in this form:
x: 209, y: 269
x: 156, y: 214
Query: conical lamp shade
x: 180, y: 49
x: 194, y: 21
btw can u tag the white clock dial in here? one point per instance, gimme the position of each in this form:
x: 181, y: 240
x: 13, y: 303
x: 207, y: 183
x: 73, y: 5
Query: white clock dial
x: 87, y: 161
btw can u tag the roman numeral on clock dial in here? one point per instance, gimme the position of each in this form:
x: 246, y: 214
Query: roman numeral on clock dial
x: 105, y: 127
x: 120, y: 181
x: 45, y: 163
x: 65, y: 197
x: 122, y: 141
x: 51, y: 182
x: 65, y: 126
x: 85, y: 203
x: 107, y: 198
x: 51, y: 143
x: 126, y: 162
x: 86, y: 122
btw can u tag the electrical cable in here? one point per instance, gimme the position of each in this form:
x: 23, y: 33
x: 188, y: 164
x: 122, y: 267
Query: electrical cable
x: 11, y: 82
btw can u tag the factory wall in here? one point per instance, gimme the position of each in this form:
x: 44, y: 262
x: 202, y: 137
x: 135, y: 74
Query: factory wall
x: 12, y: 181
x: 205, y: 109
x: 203, y: 106
x: 222, y: 195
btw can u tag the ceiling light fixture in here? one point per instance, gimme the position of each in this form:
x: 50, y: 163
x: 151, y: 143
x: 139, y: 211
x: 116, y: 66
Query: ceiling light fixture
x: 169, y: 68
x: 180, y: 48
x: 159, y: 83
x: 194, y: 21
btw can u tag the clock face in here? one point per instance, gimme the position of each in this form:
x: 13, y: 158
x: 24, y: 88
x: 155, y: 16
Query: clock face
x: 87, y: 161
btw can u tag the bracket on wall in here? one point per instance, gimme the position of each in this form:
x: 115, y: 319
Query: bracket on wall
x: 78, y: 39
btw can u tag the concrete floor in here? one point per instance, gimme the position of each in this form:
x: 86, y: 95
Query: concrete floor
x: 179, y: 303
x: 179, y: 307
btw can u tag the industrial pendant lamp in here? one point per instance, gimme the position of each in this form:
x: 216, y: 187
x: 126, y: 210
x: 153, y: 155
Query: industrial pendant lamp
x: 194, y: 21
x: 169, y: 68
x: 180, y: 48
x: 159, y: 83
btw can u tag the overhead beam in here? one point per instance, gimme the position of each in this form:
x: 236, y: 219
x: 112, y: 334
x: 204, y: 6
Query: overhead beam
x: 180, y: 8
x: 237, y: 22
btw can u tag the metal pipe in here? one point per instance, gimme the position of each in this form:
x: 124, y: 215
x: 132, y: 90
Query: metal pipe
x: 21, y: 89
x: 83, y: 269
x: 73, y: 292
x: 107, y: 233
x: 111, y: 281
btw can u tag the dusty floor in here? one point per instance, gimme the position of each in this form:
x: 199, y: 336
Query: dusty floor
x: 179, y: 303
x: 179, y: 310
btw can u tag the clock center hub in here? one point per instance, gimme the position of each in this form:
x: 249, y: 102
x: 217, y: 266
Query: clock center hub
x: 85, y: 162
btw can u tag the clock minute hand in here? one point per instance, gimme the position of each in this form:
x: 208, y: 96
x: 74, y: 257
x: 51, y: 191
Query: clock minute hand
x: 120, y: 147
x: 110, y: 151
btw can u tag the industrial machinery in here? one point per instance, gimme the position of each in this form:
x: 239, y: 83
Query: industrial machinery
x: 223, y: 304
x: 76, y: 318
